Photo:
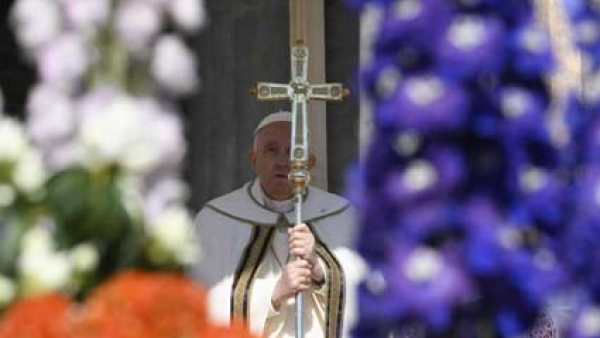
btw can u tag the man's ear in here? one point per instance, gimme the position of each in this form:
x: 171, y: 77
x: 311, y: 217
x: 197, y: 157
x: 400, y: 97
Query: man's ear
x: 252, y: 159
x: 312, y: 161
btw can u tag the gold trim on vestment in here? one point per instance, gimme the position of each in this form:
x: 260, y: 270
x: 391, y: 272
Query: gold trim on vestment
x: 336, y: 287
x: 241, y: 290
x: 253, y: 255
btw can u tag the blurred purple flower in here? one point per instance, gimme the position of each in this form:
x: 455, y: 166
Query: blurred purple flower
x: 36, y: 22
x: 381, y: 79
x: 523, y: 111
x: 63, y: 62
x: 65, y: 155
x: 471, y: 45
x: 591, y: 141
x: 462, y: 165
x: 163, y: 192
x: 86, y: 16
x: 51, y: 117
x: 586, y: 322
x: 414, y: 23
x: 433, y: 176
x: 174, y: 66
x: 543, y: 194
x: 189, y: 15
x: 94, y: 101
x: 482, y: 224
x: 431, y: 284
x: 167, y: 131
x: 137, y: 22
x: 425, y: 104
x: 531, y: 50
x: 426, y: 221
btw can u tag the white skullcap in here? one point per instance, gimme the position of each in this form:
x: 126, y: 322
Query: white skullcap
x: 282, y: 116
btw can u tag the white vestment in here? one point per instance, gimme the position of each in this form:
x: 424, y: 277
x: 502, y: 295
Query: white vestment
x: 244, y: 247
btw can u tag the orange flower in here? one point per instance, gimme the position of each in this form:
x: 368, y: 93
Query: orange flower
x: 139, y: 304
x: 234, y: 331
x: 43, y: 316
x: 131, y: 305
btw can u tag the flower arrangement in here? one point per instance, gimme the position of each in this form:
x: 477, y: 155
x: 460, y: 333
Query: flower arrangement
x: 42, y: 316
x: 90, y: 182
x: 463, y: 200
x: 578, y: 244
x: 130, y: 305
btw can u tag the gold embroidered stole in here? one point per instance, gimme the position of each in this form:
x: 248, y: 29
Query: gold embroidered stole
x: 252, y: 257
x: 335, y: 286
x: 245, y: 273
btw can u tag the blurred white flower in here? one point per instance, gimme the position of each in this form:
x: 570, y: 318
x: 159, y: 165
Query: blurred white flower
x: 131, y: 187
x: 189, y: 15
x: 36, y: 22
x: 135, y: 133
x: 106, y: 131
x: 164, y: 192
x: 161, y: 4
x: 64, y: 61
x: 173, y: 231
x: 44, y: 273
x: 37, y: 240
x: 86, y: 16
x: 29, y: 173
x: 40, y: 268
x: 7, y: 195
x: 167, y: 133
x: 173, y: 65
x: 137, y: 23
x: 14, y: 141
x: 66, y: 155
x: 8, y: 291
x: 84, y: 257
x: 51, y: 117
x: 159, y: 143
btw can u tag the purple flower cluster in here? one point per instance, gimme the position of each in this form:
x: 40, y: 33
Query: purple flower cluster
x: 581, y: 155
x: 460, y: 196
x: 586, y: 27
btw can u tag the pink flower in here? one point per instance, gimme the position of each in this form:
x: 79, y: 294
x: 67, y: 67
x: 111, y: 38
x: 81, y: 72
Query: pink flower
x: 137, y: 22
x: 51, y: 118
x: 36, y: 22
x: 163, y: 192
x: 189, y: 15
x: 64, y: 61
x: 174, y: 66
x: 87, y: 15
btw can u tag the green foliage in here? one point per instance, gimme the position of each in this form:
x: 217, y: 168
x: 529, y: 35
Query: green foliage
x: 88, y: 207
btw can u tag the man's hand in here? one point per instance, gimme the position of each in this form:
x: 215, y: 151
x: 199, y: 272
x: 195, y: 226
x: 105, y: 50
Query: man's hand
x: 302, y: 245
x: 295, y: 277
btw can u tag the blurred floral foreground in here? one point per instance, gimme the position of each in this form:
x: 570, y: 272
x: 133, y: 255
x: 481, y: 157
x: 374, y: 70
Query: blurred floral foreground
x: 89, y: 183
x: 478, y: 218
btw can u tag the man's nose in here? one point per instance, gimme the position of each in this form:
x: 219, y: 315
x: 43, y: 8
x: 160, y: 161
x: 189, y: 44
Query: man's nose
x: 282, y: 159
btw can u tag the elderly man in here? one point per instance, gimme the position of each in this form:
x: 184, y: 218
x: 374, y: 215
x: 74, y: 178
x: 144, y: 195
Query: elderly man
x: 247, y: 236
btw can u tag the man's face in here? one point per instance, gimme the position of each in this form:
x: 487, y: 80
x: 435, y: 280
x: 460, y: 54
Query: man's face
x: 270, y: 159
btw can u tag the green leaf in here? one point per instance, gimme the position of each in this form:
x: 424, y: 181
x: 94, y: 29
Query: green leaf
x: 11, y: 232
